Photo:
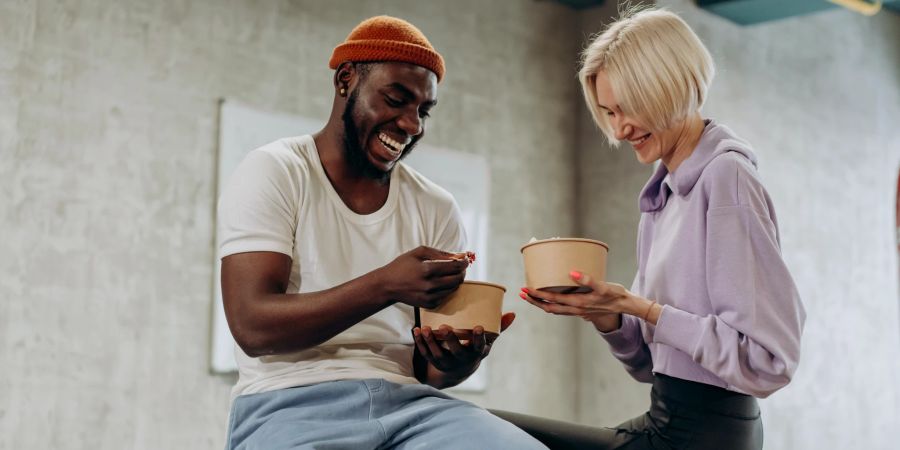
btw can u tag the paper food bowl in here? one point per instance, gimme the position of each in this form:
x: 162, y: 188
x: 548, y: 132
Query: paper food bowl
x: 549, y: 261
x: 474, y: 303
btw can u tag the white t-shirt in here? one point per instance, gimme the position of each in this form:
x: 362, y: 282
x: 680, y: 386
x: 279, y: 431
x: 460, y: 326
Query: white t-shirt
x: 279, y: 199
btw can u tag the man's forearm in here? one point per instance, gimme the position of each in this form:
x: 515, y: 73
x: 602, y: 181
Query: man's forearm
x: 286, y: 323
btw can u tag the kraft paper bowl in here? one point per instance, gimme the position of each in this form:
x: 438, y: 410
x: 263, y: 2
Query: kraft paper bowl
x: 473, y: 303
x: 549, y: 261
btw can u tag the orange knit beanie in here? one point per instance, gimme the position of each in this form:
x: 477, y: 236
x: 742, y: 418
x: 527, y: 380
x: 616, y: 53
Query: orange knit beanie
x: 385, y: 38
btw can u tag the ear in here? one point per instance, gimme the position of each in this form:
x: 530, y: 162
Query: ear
x: 344, y: 77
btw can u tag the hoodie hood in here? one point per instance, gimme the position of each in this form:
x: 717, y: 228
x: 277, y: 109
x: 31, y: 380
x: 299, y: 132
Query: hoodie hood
x: 715, y: 140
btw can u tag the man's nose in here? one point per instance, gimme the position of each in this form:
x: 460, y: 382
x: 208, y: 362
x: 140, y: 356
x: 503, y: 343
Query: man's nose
x: 411, y: 123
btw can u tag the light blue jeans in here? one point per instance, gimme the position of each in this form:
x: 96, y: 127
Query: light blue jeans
x: 367, y: 414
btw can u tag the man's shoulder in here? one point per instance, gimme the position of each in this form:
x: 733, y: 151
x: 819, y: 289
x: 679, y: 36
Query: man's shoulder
x: 282, y: 165
x: 422, y: 187
x: 283, y: 159
x: 288, y: 151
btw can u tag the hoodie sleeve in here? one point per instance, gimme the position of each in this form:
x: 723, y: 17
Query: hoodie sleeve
x: 627, y: 344
x: 752, y: 341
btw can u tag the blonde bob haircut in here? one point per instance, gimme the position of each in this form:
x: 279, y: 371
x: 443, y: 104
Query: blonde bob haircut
x: 657, y: 68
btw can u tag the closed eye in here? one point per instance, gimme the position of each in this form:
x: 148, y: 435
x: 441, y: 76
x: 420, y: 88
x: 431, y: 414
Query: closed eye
x: 606, y: 110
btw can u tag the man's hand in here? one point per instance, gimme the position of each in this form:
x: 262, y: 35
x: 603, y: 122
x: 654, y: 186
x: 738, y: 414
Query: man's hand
x: 424, y: 277
x: 451, y: 360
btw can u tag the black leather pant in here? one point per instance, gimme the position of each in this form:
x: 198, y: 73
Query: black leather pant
x: 688, y: 415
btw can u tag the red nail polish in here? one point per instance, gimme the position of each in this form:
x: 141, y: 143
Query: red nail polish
x: 522, y: 295
x: 525, y: 290
x: 575, y: 274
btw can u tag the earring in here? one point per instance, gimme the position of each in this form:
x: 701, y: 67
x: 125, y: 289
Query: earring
x: 343, y: 92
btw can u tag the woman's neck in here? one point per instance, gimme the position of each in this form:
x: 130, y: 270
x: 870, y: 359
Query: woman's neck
x: 688, y: 138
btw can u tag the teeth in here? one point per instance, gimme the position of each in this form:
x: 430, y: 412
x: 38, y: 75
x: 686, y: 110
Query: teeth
x: 392, y: 145
x: 641, y: 140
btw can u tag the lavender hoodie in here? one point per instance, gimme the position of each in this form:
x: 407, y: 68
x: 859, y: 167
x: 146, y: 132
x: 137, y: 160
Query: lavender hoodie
x: 709, y: 253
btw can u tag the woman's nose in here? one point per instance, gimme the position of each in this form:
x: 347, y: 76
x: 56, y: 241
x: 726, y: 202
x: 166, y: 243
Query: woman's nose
x: 622, y: 131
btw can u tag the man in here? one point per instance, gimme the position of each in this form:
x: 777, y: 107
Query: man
x: 315, y: 294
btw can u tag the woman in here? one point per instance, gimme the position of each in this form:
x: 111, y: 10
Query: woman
x: 713, y: 319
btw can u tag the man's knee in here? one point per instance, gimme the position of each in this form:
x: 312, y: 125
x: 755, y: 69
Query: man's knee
x: 478, y: 428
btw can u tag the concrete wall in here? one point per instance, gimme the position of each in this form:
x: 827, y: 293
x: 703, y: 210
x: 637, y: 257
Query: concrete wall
x: 107, y: 144
x: 108, y: 132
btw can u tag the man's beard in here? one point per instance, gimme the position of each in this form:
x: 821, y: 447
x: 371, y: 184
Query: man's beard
x: 355, y: 154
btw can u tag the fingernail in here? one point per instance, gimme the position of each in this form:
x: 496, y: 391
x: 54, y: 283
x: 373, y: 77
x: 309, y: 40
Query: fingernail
x: 575, y: 274
x: 525, y: 290
x: 522, y: 295
x: 416, y: 332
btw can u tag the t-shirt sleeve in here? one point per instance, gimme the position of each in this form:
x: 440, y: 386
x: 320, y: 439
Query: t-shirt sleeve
x: 258, y: 207
x: 627, y: 343
x: 451, y: 236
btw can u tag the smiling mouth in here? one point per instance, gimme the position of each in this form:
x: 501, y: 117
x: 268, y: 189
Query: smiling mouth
x: 394, y: 148
x: 640, y: 140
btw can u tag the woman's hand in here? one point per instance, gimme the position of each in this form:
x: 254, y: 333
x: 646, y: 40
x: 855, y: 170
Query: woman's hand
x: 603, y: 306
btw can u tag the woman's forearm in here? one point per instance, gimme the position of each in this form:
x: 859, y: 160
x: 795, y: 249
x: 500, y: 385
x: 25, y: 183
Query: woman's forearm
x: 642, y: 308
